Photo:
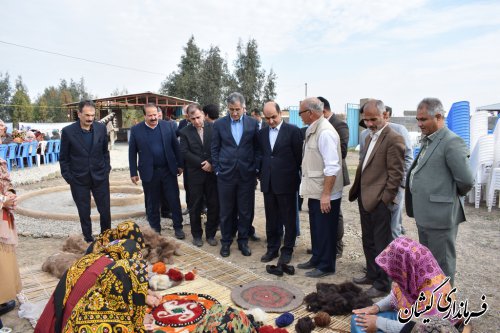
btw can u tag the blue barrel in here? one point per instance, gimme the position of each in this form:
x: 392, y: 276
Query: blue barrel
x: 352, y: 111
x: 459, y: 120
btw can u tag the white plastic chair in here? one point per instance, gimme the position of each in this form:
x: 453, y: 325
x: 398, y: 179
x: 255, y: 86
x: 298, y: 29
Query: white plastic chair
x: 493, y: 187
x: 41, y: 153
x: 481, y: 162
x: 478, y: 127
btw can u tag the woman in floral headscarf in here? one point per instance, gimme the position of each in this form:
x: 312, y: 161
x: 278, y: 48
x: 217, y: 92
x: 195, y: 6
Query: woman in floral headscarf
x: 413, y: 270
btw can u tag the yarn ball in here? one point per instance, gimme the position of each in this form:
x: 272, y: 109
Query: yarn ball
x: 175, y: 274
x: 159, y: 268
x: 258, y: 314
x: 189, y: 276
x: 270, y: 329
x: 304, y: 325
x: 322, y: 319
x: 285, y: 319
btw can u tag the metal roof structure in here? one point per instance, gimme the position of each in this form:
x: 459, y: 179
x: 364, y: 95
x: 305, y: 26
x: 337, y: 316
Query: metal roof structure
x: 491, y: 107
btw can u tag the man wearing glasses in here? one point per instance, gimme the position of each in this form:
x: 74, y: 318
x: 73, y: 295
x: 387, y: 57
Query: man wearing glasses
x: 321, y: 184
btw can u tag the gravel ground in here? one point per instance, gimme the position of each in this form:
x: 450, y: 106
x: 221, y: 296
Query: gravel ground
x: 478, y: 245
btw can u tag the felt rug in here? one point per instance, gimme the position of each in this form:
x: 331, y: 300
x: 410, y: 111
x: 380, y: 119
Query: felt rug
x: 270, y: 296
x: 180, y: 312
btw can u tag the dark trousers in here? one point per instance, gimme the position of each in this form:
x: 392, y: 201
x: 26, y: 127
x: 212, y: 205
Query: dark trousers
x: 376, y: 235
x: 162, y: 182
x: 323, y: 233
x: 281, y: 211
x: 441, y: 243
x: 340, y: 233
x: 236, y: 195
x: 197, y: 194
x: 81, y: 196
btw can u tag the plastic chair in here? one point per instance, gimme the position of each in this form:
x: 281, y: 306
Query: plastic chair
x: 57, y: 149
x: 49, y: 152
x: 41, y: 153
x: 32, y: 153
x: 23, y: 153
x: 11, y: 154
x: 494, y: 186
x: 481, y: 162
x: 3, y: 151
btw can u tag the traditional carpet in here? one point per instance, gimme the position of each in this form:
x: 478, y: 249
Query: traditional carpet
x: 270, y: 296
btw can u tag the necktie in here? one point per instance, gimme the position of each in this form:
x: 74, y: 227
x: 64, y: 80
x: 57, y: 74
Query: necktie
x: 200, y: 133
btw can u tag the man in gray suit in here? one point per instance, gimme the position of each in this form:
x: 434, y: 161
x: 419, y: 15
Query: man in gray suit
x: 397, y: 209
x: 437, y: 179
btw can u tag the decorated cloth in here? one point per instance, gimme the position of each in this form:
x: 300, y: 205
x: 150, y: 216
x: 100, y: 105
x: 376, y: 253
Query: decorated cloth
x: 224, y: 319
x: 116, y: 303
x: 413, y: 270
x: 180, y: 312
x: 124, y: 230
x: 76, y: 279
x: 9, y: 271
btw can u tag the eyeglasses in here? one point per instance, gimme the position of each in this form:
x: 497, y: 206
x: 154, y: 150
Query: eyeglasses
x: 301, y: 112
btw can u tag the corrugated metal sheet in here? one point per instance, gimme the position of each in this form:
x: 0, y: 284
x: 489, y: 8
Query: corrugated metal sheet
x: 352, y: 111
x: 294, y: 116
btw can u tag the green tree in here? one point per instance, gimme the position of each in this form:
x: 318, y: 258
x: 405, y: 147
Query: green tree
x: 213, y: 78
x: 248, y: 74
x: 22, y: 110
x: 5, y: 94
x: 185, y: 82
x: 118, y: 92
x: 270, y: 87
x: 42, y: 110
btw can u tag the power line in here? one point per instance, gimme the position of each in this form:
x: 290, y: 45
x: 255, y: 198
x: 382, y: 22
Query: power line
x: 83, y: 59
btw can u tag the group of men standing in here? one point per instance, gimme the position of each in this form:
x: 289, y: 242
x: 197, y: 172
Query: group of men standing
x: 224, y: 159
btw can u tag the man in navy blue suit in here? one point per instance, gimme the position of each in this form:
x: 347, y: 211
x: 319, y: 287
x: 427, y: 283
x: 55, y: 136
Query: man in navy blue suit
x: 84, y: 162
x: 235, y: 158
x: 281, y: 147
x: 160, y: 163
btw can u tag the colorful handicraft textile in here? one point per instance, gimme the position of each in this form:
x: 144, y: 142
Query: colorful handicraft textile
x: 124, y: 230
x: 224, y: 319
x: 413, y: 270
x: 180, y: 312
x: 116, y: 303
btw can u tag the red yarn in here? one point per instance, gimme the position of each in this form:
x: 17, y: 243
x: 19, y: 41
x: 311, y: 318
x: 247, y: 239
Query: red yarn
x: 175, y: 275
x: 270, y: 329
x: 189, y: 276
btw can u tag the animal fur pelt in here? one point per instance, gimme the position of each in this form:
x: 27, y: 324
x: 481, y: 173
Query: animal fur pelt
x: 75, y: 244
x: 58, y: 263
x: 158, y: 247
x: 338, y: 299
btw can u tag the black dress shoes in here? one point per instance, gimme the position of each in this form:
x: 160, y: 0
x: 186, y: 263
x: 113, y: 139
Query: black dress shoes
x: 375, y: 293
x: 10, y: 305
x: 254, y: 238
x: 179, y: 234
x: 245, y: 250
x: 275, y: 270
x: 288, y: 269
x: 285, y: 258
x: 317, y: 273
x: 362, y: 280
x: 225, y: 251
x: 306, y: 265
x: 212, y: 241
x: 268, y: 256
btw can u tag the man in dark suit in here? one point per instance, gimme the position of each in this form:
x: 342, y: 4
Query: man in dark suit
x: 196, y: 149
x: 160, y: 163
x: 257, y: 115
x: 343, y: 132
x: 281, y: 148
x: 376, y: 186
x: 235, y: 157
x: 84, y: 162
x: 435, y: 184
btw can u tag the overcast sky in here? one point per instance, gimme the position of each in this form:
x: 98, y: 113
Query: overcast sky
x: 397, y: 51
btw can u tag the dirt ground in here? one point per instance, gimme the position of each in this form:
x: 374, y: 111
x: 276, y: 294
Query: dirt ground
x: 478, y: 249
